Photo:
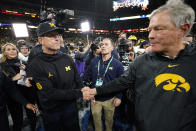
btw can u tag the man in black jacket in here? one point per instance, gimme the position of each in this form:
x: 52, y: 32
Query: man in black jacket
x: 57, y: 81
x: 164, y: 78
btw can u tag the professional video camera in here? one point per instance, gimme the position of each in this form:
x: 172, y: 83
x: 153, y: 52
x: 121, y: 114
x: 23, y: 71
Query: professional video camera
x: 57, y: 16
x: 124, y: 52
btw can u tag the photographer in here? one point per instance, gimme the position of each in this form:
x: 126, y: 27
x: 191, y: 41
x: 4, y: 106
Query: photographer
x: 80, y: 56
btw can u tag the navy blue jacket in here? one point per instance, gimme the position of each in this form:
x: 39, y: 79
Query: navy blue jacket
x: 115, y: 70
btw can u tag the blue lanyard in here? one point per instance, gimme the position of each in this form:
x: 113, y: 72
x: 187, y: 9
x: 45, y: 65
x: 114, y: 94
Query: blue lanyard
x: 98, y: 68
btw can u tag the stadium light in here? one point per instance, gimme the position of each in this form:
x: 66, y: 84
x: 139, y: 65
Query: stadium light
x: 85, y: 26
x: 20, y: 29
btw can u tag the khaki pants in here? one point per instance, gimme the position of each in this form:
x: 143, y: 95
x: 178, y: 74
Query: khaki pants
x: 108, y: 108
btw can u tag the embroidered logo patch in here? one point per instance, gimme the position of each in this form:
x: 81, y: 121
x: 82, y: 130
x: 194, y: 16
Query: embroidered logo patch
x: 50, y: 75
x: 68, y: 68
x: 172, y: 65
x: 51, y: 24
x: 39, y: 86
x: 110, y: 68
x: 172, y: 82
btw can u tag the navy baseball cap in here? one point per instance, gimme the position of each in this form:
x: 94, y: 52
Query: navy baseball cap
x: 46, y: 27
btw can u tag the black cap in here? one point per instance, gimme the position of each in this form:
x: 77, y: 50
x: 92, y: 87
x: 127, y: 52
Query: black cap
x: 46, y: 27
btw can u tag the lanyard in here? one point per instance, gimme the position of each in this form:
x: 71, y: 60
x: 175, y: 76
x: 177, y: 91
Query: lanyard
x: 98, y: 68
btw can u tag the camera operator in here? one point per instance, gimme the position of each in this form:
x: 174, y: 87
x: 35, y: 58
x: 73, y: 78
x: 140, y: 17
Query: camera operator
x: 95, y: 50
x: 126, y: 52
x: 122, y: 35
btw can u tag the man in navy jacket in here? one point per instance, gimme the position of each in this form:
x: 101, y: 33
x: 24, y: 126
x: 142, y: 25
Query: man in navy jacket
x: 103, y: 69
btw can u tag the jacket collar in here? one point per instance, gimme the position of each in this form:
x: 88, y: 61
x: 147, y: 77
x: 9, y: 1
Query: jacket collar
x: 189, y: 49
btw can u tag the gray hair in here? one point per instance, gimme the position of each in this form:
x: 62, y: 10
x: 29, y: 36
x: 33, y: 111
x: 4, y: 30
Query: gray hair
x: 180, y: 13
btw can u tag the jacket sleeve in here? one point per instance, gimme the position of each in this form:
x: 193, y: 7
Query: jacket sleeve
x: 82, y: 55
x: 48, y: 92
x: 12, y: 91
x: 46, y: 88
x: 127, y: 80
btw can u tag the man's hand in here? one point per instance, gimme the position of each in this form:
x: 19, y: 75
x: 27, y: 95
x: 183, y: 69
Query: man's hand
x: 17, y: 77
x: 22, y: 67
x: 32, y: 107
x: 93, y: 101
x: 88, y: 93
x: 27, y: 82
x: 116, y: 102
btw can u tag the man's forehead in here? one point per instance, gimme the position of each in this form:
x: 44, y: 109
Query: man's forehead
x: 106, y: 41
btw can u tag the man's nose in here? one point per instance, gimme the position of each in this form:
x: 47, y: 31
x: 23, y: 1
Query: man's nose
x: 151, y: 34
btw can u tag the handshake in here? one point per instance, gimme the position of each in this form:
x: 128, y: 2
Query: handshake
x: 88, y: 94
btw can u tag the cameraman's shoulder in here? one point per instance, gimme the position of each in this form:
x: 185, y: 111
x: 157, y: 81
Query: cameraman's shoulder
x: 96, y: 58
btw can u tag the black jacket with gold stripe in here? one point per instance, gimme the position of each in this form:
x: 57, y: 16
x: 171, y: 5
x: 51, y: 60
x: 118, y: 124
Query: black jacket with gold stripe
x: 165, y: 90
x: 57, y: 81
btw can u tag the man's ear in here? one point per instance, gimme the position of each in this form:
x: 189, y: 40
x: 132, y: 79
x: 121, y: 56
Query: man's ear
x: 40, y: 40
x: 185, y: 28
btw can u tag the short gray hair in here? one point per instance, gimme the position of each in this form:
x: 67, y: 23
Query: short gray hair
x: 180, y: 13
